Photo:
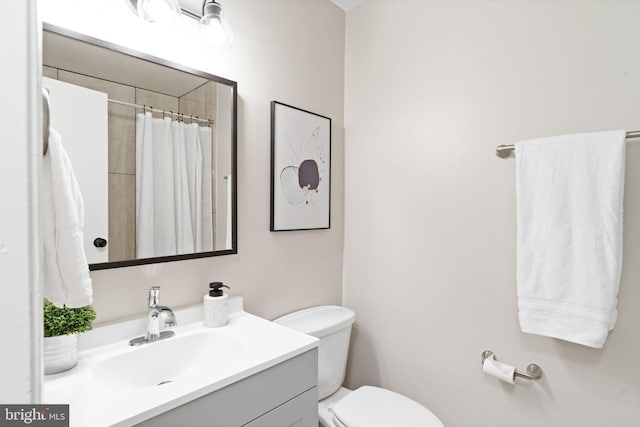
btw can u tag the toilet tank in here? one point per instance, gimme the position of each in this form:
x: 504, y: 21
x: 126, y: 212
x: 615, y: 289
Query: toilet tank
x: 332, y: 325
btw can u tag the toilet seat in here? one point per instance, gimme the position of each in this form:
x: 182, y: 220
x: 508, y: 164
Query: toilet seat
x: 377, y: 407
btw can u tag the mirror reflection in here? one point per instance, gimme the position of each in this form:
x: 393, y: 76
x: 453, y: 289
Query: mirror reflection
x: 153, y: 147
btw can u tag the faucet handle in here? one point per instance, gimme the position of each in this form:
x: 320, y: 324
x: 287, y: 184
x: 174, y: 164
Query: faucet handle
x: 154, y: 296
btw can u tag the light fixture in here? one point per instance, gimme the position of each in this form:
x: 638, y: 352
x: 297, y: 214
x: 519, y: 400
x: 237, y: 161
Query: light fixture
x: 159, y: 11
x: 214, y: 29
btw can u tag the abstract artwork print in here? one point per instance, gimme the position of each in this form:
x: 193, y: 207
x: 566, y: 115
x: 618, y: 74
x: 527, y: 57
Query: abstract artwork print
x: 300, y: 169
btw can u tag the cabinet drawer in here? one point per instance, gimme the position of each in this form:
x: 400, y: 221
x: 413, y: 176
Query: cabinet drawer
x: 301, y: 411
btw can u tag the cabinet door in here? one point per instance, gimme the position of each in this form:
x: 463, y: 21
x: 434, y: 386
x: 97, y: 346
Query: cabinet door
x: 248, y: 400
x: 301, y: 411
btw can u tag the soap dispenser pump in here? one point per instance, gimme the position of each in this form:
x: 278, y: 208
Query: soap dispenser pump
x: 215, y: 306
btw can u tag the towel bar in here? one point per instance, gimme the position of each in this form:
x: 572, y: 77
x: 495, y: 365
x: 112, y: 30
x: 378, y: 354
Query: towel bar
x: 533, y: 371
x: 503, y: 151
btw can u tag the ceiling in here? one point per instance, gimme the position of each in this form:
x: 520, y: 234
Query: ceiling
x: 347, y: 4
x: 84, y: 58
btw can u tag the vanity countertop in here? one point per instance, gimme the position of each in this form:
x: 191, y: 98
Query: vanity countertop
x: 100, y: 397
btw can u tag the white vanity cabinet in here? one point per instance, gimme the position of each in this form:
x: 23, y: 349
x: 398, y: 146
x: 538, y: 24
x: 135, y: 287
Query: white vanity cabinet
x: 250, y: 372
x: 281, y: 396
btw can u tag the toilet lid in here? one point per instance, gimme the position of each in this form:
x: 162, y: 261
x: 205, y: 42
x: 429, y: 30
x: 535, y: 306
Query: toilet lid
x: 376, y: 407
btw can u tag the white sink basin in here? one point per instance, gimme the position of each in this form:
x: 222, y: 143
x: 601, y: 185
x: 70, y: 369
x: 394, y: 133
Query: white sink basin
x: 163, y: 362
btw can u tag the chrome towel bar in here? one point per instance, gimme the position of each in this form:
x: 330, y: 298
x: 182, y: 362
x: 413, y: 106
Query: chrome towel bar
x: 533, y: 371
x: 504, y: 151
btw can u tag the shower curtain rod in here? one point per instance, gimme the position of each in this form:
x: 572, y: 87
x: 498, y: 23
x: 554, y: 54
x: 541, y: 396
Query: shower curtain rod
x: 504, y: 150
x: 156, y: 110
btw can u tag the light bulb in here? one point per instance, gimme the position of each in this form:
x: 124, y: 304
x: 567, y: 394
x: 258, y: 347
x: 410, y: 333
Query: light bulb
x: 161, y: 11
x: 214, y: 29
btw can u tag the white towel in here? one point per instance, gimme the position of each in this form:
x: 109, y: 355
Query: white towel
x: 569, y: 195
x: 66, y: 271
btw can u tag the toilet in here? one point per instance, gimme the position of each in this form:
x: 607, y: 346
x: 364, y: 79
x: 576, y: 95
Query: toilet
x: 338, y: 406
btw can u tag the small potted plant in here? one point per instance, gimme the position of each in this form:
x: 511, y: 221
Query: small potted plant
x: 61, y: 329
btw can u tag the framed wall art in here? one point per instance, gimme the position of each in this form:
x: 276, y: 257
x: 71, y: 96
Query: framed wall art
x: 300, y: 169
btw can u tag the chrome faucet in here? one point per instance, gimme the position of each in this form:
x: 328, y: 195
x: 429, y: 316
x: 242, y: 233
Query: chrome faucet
x: 158, y: 318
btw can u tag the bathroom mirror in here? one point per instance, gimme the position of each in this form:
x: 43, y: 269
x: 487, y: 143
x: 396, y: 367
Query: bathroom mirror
x: 153, y: 146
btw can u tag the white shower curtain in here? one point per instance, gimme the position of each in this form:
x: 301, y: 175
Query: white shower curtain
x: 173, y: 187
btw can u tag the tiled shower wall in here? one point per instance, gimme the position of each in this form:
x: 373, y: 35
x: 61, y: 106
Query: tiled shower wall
x: 199, y: 102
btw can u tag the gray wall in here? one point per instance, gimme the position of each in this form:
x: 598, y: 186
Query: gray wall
x: 432, y: 87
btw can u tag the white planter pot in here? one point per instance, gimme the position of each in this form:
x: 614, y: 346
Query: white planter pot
x: 60, y: 353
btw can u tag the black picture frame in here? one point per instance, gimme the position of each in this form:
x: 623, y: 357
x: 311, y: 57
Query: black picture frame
x: 300, y: 169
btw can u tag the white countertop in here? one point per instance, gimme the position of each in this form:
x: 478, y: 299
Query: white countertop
x: 94, y: 403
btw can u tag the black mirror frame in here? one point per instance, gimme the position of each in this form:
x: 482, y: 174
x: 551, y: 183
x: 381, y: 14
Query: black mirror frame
x: 234, y: 146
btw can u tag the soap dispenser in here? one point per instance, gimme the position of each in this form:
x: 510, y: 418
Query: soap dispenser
x: 215, y: 306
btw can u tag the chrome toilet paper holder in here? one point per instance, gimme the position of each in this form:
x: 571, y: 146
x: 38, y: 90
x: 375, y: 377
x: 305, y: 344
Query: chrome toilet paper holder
x: 533, y: 371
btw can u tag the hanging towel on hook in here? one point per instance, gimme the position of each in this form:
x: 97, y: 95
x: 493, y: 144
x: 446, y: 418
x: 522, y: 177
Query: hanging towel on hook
x: 66, y: 278
x: 569, y: 211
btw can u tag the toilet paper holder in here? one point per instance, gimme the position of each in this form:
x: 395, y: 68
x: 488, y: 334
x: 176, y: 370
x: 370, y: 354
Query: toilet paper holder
x: 533, y: 371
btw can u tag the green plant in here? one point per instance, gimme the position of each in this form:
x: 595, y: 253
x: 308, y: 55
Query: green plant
x: 67, y: 321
